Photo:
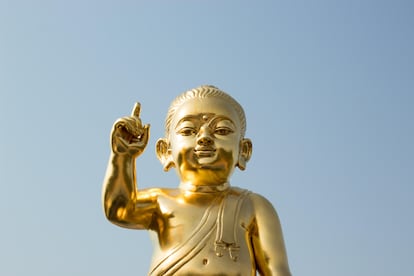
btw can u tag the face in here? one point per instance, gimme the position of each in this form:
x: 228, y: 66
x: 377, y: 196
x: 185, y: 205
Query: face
x: 204, y: 141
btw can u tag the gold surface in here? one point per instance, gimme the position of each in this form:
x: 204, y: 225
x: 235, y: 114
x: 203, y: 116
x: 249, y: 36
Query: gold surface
x: 205, y: 226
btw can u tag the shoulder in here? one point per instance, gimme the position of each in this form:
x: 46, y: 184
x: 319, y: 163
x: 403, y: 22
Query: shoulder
x: 259, y: 200
x: 261, y: 206
x: 256, y: 199
x: 253, y: 204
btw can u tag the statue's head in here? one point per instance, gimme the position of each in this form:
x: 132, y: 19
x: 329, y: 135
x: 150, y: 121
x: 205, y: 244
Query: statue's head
x: 205, y: 91
x: 204, y: 136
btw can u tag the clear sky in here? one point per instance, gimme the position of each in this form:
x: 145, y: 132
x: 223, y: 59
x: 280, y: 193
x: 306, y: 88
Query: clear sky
x: 327, y: 86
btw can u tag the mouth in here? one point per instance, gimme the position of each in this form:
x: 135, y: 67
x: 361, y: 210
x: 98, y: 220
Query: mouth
x: 201, y: 152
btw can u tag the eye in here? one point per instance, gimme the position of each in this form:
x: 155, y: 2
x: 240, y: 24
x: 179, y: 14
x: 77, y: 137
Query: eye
x: 186, y: 131
x: 223, y: 131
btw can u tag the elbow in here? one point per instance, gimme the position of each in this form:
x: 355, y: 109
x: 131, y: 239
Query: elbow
x: 118, y: 212
x: 115, y: 210
x: 126, y: 213
x: 114, y: 215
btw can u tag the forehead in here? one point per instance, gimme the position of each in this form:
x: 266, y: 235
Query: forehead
x: 211, y: 105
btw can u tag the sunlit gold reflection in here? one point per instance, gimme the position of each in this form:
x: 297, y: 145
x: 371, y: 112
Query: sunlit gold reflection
x: 205, y: 226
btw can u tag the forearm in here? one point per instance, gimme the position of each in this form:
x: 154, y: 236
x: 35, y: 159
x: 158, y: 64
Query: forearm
x: 119, y: 188
x: 120, y: 200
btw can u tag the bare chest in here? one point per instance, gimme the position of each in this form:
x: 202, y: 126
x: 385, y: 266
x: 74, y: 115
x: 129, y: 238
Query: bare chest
x: 199, y: 238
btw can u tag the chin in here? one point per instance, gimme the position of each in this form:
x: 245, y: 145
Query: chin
x: 206, y: 160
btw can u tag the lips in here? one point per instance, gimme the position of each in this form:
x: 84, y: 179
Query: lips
x: 204, y: 151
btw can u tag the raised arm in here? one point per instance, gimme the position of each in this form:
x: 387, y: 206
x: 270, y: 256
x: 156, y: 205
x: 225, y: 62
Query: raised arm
x: 268, y: 245
x: 122, y: 203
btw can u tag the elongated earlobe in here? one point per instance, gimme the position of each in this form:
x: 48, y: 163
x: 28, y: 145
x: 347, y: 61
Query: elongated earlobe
x: 164, y: 153
x: 246, y: 148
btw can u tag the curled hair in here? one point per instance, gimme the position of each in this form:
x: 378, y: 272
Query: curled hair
x: 204, y: 91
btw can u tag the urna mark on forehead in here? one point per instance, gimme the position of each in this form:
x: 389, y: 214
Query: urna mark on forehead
x: 199, y: 94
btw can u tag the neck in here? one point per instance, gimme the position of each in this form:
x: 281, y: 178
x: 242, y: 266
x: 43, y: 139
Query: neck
x: 189, y: 187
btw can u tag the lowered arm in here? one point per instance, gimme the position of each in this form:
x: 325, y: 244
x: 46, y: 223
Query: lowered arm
x: 268, y: 245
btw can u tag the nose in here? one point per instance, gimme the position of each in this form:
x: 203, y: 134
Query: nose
x: 204, y: 137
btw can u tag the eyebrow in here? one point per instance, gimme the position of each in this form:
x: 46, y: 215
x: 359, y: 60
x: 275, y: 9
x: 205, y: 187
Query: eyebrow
x: 212, y: 118
x: 217, y: 118
x: 187, y: 118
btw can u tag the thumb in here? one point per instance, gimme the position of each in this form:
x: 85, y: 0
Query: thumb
x: 146, y: 133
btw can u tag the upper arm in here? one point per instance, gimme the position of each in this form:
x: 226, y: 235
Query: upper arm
x: 137, y: 213
x: 267, y: 238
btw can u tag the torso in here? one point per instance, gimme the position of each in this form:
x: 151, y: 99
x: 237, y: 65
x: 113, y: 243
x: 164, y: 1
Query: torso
x: 184, y: 227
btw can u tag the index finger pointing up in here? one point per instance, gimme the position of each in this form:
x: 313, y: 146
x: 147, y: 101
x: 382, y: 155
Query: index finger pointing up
x: 136, y: 110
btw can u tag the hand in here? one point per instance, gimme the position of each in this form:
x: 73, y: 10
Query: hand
x: 128, y: 135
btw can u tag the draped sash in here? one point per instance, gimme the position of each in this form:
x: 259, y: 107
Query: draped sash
x: 220, y: 217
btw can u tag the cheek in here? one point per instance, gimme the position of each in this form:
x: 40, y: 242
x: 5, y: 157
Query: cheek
x: 179, y: 143
x: 230, y: 146
x: 183, y: 155
x: 182, y: 141
x: 226, y: 158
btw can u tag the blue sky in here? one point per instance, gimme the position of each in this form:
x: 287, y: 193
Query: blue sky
x: 327, y: 87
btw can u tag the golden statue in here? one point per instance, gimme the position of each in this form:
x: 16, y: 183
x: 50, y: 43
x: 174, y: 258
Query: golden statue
x: 205, y: 226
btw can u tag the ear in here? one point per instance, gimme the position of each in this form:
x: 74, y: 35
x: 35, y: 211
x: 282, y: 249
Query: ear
x: 164, y: 153
x: 246, y: 148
